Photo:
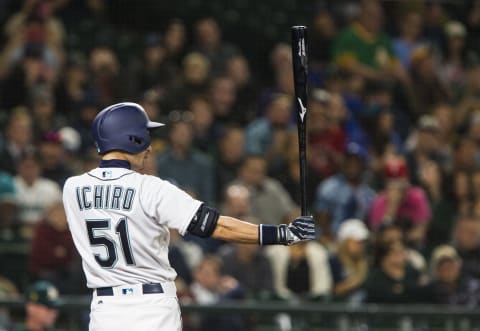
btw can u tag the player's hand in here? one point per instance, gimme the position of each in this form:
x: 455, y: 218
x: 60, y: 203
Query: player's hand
x: 301, y: 229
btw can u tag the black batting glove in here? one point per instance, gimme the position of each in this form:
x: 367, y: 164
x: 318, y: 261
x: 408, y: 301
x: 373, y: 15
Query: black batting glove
x: 301, y: 229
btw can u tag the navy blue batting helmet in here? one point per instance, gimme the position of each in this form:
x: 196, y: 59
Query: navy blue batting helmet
x: 124, y: 126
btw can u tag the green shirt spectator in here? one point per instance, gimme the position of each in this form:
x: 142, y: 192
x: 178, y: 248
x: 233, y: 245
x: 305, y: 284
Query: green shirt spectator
x: 363, y: 49
x: 356, y: 45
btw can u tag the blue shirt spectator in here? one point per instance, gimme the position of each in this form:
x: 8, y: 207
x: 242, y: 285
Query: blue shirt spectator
x: 345, y: 195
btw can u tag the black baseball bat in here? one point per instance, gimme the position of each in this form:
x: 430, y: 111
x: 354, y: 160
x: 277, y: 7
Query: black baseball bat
x: 300, y: 70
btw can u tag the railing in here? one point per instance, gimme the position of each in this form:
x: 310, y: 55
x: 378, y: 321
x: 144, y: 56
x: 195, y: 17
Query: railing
x: 280, y: 316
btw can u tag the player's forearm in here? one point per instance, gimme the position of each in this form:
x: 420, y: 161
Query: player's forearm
x: 234, y: 230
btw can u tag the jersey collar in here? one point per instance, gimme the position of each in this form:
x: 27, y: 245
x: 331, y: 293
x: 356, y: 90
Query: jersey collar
x: 114, y: 164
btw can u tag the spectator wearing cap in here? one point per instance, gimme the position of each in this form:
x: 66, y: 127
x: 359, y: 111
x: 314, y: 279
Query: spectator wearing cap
x: 449, y: 286
x: 34, y: 193
x: 41, y: 307
x: 401, y: 203
x: 425, y: 146
x: 349, y: 265
x: 18, y: 139
x: 344, y: 195
x: 455, y: 56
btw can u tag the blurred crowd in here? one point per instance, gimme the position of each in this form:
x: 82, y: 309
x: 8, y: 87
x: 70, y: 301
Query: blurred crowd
x: 393, y: 133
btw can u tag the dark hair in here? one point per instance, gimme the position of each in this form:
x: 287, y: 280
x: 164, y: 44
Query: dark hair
x: 382, y: 250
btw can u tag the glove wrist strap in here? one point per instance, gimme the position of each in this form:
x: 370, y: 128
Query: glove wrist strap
x: 272, y: 234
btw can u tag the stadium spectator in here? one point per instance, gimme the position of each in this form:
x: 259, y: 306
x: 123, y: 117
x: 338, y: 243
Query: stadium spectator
x: 34, y: 193
x: 185, y: 166
x: 327, y: 137
x: 264, y: 135
x: 236, y: 202
x: 269, y: 200
x: 204, y: 127
x: 105, y: 77
x: 401, y: 203
x: 301, y: 271
x: 238, y: 69
x: 174, y: 41
x: 52, y: 155
x: 152, y: 71
x: 45, y: 117
x: 8, y: 291
x: 231, y: 151
x: 249, y: 265
x: 42, y: 304
x: 469, y: 101
x: 345, y: 195
x: 349, y: 263
x: 223, y: 96
x: 72, y: 87
x: 208, y: 41
x: 449, y: 286
x: 425, y: 146
x: 464, y: 159
x: 8, y: 207
x: 18, y: 139
x: 428, y: 89
x: 51, y: 249
x: 392, y: 280
x: 212, y: 286
x: 392, y: 234
x: 323, y: 32
x: 409, y: 38
x: 466, y: 241
x: 442, y: 203
x: 364, y: 49
x: 194, y: 81
x: 455, y: 57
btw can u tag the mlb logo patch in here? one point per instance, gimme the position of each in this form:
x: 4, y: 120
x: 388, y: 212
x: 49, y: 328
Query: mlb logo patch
x: 107, y: 174
x: 127, y: 291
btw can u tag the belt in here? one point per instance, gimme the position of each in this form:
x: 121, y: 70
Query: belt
x: 150, y: 288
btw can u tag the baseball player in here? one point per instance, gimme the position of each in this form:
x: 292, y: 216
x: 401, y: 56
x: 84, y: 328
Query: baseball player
x: 120, y: 220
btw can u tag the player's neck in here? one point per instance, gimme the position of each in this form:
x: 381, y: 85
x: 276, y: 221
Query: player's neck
x: 114, y: 155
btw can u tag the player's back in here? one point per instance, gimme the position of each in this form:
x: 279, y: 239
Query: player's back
x: 120, y: 220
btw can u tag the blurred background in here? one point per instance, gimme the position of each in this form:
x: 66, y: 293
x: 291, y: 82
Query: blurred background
x: 393, y: 155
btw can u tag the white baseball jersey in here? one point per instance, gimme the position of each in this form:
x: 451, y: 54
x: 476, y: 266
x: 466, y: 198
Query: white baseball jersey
x: 120, y: 220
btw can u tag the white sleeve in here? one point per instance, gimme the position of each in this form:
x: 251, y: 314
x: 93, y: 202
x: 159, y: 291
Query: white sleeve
x: 168, y: 204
